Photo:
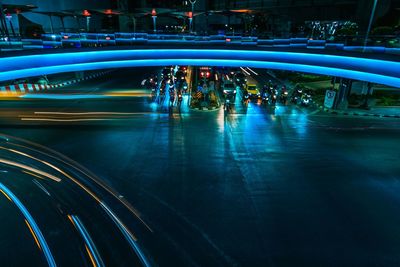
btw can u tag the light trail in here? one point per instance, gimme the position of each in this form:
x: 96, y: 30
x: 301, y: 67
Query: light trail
x: 6, y: 195
x: 34, y: 175
x: 89, y: 113
x: 80, y: 116
x: 128, y: 235
x: 25, y: 167
x: 91, y: 256
x: 75, y: 165
x: 34, y: 158
x: 245, y: 71
x: 66, y: 120
x: 62, y: 97
x: 255, y: 73
x: 89, y: 244
x: 44, y: 173
x: 33, y: 234
x: 33, y: 226
x: 36, y: 182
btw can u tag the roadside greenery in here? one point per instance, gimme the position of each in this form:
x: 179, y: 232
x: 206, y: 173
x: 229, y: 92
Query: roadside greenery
x: 300, y: 77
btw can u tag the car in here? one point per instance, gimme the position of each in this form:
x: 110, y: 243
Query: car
x: 229, y: 88
x: 253, y: 91
x: 205, y: 73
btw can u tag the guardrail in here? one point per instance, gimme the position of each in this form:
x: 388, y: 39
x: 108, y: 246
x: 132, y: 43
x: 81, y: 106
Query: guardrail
x: 77, y: 40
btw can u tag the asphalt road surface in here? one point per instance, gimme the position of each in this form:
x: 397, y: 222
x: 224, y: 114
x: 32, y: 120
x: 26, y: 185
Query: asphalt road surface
x: 260, y: 187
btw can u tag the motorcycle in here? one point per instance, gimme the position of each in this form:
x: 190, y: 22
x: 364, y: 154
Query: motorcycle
x: 284, y: 96
x: 296, y: 96
x: 180, y: 98
x: 246, y: 98
x: 185, y: 87
x: 306, y: 100
x: 153, y: 93
x: 274, y: 96
x: 171, y: 99
x: 265, y: 98
x: 227, y: 105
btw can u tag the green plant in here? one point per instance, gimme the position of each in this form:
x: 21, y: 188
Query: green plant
x: 382, y: 30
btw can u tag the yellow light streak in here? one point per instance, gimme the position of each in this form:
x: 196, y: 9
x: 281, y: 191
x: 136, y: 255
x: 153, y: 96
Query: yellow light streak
x: 91, y: 256
x: 72, y: 221
x: 6, y: 195
x: 33, y: 234
x: 87, y: 113
x: 65, y: 120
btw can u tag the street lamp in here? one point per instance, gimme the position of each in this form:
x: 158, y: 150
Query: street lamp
x: 193, y: 2
x: 9, y: 18
x: 87, y: 15
x: 154, y: 16
x: 190, y: 22
x: 371, y: 19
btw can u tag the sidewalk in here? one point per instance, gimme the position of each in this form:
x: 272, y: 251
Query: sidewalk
x: 390, y: 111
x: 380, y: 112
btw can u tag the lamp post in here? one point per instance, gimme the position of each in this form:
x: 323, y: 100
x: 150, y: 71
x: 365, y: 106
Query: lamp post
x: 371, y: 19
x: 134, y: 25
x: 193, y: 2
x: 190, y: 22
x: 9, y: 18
x: 154, y: 16
x: 51, y: 24
x: 109, y: 13
x: 87, y: 15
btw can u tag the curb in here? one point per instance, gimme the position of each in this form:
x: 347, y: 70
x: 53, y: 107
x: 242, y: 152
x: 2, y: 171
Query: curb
x: 25, y: 88
x: 358, y: 114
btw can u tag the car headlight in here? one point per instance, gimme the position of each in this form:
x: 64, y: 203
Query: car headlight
x: 225, y: 91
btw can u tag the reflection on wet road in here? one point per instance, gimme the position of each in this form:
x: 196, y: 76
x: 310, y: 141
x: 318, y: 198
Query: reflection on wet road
x: 255, y: 187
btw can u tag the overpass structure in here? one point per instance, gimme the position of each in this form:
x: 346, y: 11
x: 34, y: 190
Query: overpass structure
x: 378, y: 68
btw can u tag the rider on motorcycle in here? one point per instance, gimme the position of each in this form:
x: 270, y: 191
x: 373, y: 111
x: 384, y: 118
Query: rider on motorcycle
x: 171, y: 93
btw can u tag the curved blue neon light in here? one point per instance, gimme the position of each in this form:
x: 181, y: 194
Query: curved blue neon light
x: 32, y: 223
x: 372, y: 70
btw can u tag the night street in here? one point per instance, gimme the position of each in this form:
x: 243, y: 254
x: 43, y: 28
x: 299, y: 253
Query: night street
x: 253, y: 189
x: 199, y: 133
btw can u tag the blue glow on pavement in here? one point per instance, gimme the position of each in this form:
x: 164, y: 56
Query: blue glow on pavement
x: 32, y: 223
x: 372, y: 70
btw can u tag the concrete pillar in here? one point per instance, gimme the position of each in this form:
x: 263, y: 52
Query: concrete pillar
x: 367, y: 95
x: 341, y: 101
